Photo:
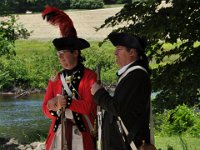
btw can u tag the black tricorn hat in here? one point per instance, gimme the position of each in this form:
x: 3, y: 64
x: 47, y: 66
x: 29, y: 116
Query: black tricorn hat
x: 70, y: 43
x: 127, y: 40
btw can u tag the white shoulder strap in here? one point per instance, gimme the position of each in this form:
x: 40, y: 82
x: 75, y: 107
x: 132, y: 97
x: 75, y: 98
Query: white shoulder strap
x: 132, y: 144
x: 151, y: 114
x: 66, y: 87
x: 131, y: 69
x: 69, y: 92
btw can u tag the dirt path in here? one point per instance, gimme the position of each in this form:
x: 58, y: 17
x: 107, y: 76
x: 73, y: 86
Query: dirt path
x: 84, y: 22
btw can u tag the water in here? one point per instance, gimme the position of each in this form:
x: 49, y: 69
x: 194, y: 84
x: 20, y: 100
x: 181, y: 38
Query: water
x: 23, y: 118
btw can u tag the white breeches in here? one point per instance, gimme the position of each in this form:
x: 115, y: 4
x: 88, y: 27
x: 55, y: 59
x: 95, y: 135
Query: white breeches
x: 77, y: 140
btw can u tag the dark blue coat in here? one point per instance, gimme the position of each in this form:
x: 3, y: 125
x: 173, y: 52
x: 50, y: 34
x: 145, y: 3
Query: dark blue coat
x: 131, y: 101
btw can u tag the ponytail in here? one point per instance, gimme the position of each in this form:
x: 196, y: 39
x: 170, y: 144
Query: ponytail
x: 145, y: 62
x: 141, y: 53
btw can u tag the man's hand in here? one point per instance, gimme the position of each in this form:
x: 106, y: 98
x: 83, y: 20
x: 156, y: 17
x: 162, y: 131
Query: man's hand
x: 57, y: 102
x: 61, y: 101
x: 95, y: 87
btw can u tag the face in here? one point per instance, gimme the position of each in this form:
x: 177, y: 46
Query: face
x: 123, y: 56
x: 68, y: 59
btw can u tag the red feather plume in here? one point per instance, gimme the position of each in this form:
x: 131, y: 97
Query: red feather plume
x: 59, y: 18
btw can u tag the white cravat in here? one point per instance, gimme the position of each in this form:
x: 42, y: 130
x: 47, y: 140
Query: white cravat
x: 124, y: 68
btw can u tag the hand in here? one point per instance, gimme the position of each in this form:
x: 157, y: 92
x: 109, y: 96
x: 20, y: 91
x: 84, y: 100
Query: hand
x: 61, y: 101
x: 95, y: 87
x: 56, y: 103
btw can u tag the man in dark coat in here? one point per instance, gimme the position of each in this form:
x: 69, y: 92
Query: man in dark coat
x: 131, y: 100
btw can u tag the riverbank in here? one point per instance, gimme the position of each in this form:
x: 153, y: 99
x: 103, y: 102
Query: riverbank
x: 12, y: 144
x: 18, y: 93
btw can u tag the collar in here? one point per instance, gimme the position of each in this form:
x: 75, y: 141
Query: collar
x: 124, y: 68
x: 74, y: 70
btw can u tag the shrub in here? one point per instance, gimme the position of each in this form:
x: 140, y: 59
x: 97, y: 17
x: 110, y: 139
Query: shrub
x: 6, y: 47
x: 181, y: 120
x: 27, y: 73
x: 13, y: 73
x: 104, y: 57
x: 86, y: 4
x: 116, y: 1
x: 10, y: 31
x: 41, y: 68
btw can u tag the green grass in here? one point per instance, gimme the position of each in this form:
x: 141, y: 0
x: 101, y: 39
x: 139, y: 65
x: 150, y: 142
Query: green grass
x: 177, y: 143
x: 113, y: 5
x: 29, y: 47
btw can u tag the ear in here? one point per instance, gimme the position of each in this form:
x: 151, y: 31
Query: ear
x: 133, y: 52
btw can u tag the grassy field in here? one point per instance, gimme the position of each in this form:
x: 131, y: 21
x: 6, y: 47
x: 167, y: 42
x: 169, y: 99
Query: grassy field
x: 85, y: 22
x: 177, y: 143
x: 27, y: 48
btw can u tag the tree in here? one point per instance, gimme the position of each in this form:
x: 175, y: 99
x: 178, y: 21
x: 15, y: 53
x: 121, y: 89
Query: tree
x: 10, y: 31
x: 175, y: 76
x: 21, y: 6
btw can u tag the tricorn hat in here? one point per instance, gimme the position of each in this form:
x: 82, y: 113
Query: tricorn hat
x: 70, y: 43
x: 69, y: 39
x: 127, y: 40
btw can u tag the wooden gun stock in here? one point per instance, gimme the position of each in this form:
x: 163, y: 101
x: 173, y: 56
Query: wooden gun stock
x: 63, y: 139
x: 98, y: 71
x: 63, y: 124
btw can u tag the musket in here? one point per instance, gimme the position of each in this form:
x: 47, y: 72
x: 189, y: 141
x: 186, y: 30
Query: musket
x: 63, y: 124
x: 99, y: 114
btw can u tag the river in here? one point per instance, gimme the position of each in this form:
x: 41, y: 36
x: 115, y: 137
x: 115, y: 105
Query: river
x: 22, y: 118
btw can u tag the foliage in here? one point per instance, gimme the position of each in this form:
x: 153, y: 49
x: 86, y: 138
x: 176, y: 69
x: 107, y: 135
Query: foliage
x: 116, y: 1
x: 27, y: 73
x: 104, y: 57
x: 86, y: 4
x: 6, y: 47
x: 35, y: 62
x: 10, y: 31
x: 13, y: 73
x: 178, y: 121
x: 21, y: 6
x: 176, y: 23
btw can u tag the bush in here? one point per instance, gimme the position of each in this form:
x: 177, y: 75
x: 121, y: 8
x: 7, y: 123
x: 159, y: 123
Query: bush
x: 104, y: 57
x: 27, y: 73
x: 10, y: 31
x: 34, y: 64
x: 86, y: 4
x: 13, y: 73
x: 116, y: 1
x: 6, y: 47
x: 21, y: 6
x: 181, y: 120
x: 41, y: 68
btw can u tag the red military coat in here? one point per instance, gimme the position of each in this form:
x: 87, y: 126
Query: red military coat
x: 84, y: 105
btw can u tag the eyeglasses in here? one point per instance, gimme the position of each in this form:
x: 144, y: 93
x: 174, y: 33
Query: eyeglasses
x: 61, y: 52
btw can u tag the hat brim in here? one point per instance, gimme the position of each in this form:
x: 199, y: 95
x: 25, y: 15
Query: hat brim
x: 70, y: 43
x: 124, y: 39
x: 116, y: 38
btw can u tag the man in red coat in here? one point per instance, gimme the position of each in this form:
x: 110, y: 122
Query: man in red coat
x: 80, y: 109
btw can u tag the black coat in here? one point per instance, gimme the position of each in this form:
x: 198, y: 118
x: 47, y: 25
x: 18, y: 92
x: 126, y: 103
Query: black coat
x: 131, y: 101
